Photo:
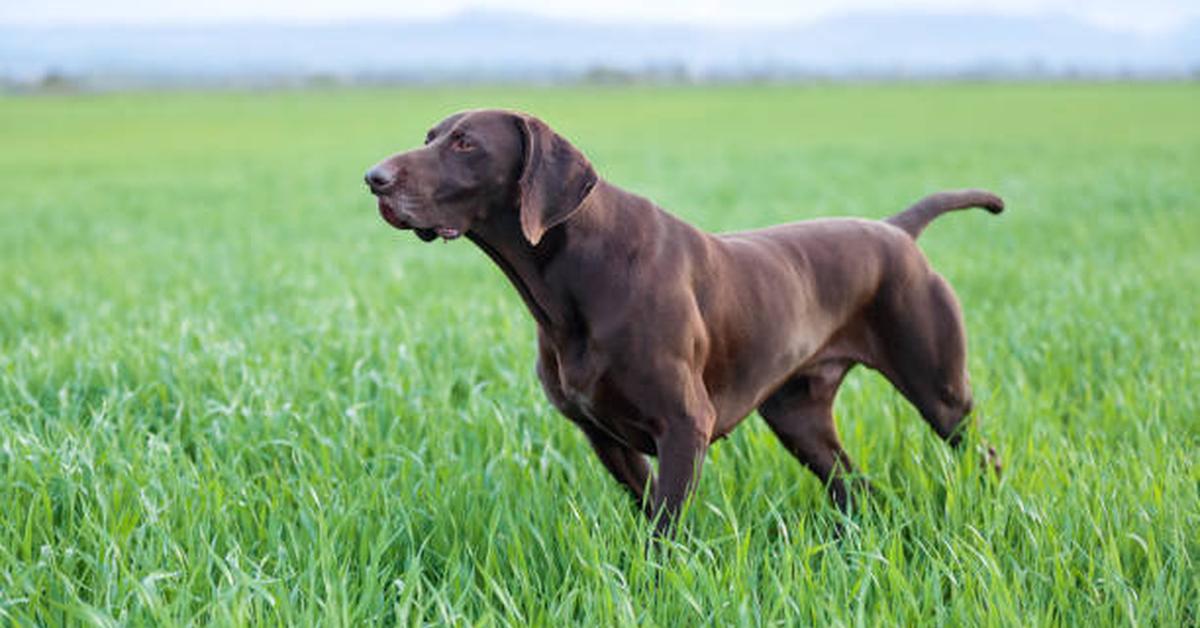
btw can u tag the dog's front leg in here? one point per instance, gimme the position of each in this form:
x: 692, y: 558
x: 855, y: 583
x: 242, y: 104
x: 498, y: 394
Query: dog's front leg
x: 626, y: 465
x: 681, y: 448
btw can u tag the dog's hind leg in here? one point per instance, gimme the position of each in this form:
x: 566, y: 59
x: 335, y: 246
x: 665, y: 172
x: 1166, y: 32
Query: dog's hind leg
x: 925, y: 344
x: 800, y: 413
x: 924, y: 354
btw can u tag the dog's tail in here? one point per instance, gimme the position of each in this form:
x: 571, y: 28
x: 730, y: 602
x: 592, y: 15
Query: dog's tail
x: 914, y: 219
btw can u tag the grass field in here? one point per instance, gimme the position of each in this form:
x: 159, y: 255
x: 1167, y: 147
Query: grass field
x: 230, y: 394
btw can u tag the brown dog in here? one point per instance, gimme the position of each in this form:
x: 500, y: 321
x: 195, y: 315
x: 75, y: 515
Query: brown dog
x: 656, y: 338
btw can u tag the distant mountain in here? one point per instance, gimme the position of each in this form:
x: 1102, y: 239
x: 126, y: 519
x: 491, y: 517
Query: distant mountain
x: 503, y: 46
x: 949, y: 42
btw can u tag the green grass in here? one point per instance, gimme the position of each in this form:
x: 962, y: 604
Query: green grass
x: 230, y: 394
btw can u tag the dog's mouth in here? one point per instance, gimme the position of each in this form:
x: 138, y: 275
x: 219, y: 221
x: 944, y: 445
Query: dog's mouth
x: 402, y: 220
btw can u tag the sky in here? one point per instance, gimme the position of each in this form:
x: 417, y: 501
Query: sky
x: 1140, y: 15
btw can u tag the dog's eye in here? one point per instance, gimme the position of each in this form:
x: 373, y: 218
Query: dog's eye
x: 462, y: 145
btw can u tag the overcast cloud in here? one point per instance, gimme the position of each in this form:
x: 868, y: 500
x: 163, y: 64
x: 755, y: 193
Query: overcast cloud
x: 1145, y: 15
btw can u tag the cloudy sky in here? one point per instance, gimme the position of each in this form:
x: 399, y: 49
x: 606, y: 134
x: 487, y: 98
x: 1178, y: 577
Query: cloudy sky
x: 1143, y: 15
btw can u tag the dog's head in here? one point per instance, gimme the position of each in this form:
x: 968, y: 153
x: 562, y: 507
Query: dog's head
x: 477, y: 163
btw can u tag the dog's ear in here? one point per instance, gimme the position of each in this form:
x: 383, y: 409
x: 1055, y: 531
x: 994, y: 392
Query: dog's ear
x: 555, y: 179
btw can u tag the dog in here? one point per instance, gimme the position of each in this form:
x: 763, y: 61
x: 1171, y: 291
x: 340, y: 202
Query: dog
x: 657, y: 339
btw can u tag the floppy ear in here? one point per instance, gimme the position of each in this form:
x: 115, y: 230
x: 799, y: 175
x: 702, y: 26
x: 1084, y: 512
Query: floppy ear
x: 554, y: 181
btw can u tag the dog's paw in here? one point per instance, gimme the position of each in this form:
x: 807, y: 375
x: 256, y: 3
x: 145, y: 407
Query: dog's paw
x: 989, y: 459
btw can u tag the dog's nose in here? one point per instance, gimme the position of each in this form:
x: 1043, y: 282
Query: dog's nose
x: 377, y: 179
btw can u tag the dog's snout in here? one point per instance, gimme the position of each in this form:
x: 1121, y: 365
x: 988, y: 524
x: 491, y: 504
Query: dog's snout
x: 377, y: 179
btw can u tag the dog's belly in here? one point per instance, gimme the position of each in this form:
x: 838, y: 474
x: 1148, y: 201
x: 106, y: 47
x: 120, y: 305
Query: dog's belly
x: 737, y: 387
x: 747, y: 361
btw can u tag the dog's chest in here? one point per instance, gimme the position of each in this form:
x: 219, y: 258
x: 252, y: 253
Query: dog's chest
x: 591, y: 391
x: 584, y: 384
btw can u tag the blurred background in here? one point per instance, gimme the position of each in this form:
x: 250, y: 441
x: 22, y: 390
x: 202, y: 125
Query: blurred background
x: 81, y: 44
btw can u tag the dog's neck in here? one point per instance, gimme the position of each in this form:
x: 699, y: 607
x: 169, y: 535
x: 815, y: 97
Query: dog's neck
x: 527, y: 266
